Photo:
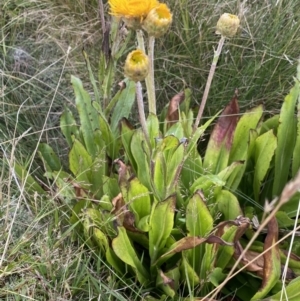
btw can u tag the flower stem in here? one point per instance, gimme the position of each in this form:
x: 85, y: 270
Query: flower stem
x: 209, y: 80
x: 150, y: 78
x: 140, y: 39
x: 140, y: 103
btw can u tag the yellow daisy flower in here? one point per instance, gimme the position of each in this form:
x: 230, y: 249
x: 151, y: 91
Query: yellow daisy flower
x: 133, y: 12
x: 131, y: 8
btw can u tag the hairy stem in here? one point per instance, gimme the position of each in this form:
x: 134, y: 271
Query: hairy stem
x: 140, y: 102
x: 150, y: 78
x: 209, y: 80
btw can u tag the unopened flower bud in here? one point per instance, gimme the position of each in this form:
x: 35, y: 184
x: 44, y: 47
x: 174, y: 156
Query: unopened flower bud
x: 228, y: 25
x: 136, y: 65
x: 158, y: 20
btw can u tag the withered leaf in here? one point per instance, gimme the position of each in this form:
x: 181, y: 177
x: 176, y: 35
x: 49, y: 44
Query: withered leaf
x: 256, y: 266
x: 190, y: 242
x: 173, y: 114
x: 272, y: 265
x: 123, y: 216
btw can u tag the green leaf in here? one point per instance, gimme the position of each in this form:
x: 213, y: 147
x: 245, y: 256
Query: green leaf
x: 153, y: 129
x: 207, y: 183
x: 87, y: 114
x: 286, y: 140
x: 290, y: 208
x: 249, y: 120
x: 265, y: 146
x: 225, y: 253
x: 174, y: 167
x: 68, y: 126
x: 176, y: 130
x: 199, y: 222
x: 126, y: 136
x: 284, y: 220
x: 296, y: 152
x: 192, y: 169
x: 125, y: 251
x: 115, y: 261
x: 220, y: 142
x: 291, y: 292
x: 216, y: 276
x: 31, y: 185
x: 80, y: 163
x: 159, y: 174
x: 138, y: 199
x: 124, y: 105
x: 50, y: 157
x: 188, y: 274
x: 161, y: 225
x: 193, y: 141
x: 228, y: 204
x: 138, y: 149
x: 98, y: 171
x: 109, y: 141
x: 270, y: 124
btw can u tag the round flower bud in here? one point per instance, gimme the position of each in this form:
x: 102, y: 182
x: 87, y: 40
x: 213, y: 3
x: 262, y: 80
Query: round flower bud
x: 136, y: 65
x: 158, y: 20
x: 228, y: 25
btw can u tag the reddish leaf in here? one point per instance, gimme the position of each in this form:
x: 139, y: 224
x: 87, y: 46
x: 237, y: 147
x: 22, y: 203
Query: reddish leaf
x: 173, y: 113
x: 219, y: 145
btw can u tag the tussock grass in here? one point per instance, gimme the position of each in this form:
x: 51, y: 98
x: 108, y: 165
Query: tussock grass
x: 40, y: 261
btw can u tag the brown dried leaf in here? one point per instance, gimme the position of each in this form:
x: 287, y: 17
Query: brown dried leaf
x: 255, y: 266
x: 173, y: 114
x: 241, y: 222
x: 191, y: 242
x: 123, y: 216
x: 167, y: 280
x: 271, y: 257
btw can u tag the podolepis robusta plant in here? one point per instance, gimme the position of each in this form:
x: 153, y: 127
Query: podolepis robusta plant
x: 146, y: 200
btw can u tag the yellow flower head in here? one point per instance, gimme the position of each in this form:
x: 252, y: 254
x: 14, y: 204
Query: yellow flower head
x: 158, y: 20
x: 136, y: 65
x: 132, y: 11
x: 228, y: 25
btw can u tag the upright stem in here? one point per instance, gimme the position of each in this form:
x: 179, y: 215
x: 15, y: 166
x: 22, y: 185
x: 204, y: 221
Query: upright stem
x: 149, y: 80
x: 140, y: 39
x: 140, y: 103
x: 209, y: 80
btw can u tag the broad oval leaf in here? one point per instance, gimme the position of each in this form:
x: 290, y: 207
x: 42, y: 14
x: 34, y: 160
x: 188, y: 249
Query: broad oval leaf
x: 286, y: 136
x: 265, y: 146
x: 124, y: 250
x: 161, y: 225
